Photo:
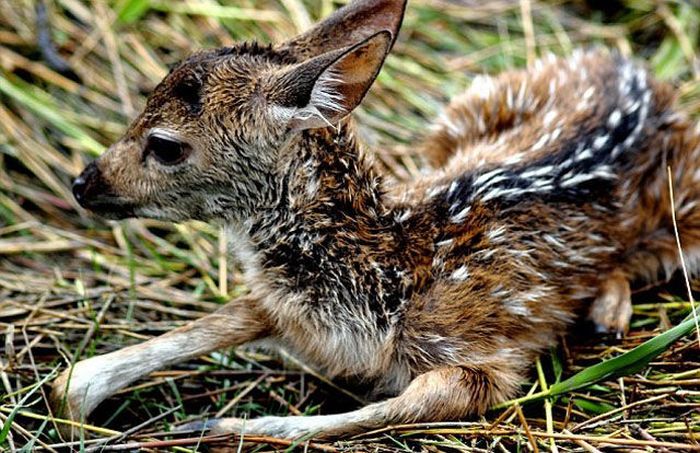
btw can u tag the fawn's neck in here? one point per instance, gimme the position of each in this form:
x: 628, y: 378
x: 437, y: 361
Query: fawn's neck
x: 331, y: 234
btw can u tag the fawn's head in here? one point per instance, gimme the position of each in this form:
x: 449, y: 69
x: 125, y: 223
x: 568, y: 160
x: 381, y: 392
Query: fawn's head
x: 210, y: 141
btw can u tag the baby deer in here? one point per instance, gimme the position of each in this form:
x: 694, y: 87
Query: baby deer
x: 548, y: 195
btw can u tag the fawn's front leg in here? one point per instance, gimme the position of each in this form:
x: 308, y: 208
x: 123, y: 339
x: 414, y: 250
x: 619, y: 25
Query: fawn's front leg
x: 442, y: 394
x: 78, y: 390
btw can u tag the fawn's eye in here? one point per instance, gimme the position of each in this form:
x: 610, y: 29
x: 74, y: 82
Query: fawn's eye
x: 166, y: 150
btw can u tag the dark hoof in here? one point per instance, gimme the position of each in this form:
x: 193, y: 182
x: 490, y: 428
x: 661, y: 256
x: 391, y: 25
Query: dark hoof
x: 600, y: 328
x: 197, y: 426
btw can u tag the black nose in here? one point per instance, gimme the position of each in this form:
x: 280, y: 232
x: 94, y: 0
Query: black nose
x: 83, y: 183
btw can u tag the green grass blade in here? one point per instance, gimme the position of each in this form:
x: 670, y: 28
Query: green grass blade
x: 32, y: 102
x: 594, y: 407
x: 130, y: 11
x: 219, y: 12
x: 625, y: 364
x: 5, y: 431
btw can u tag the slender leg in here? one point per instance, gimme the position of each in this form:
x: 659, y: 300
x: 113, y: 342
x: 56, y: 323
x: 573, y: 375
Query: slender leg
x: 77, y: 391
x: 612, y: 309
x: 442, y: 394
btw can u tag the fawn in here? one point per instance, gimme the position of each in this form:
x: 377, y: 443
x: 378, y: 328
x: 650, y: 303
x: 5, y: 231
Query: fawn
x: 546, y: 196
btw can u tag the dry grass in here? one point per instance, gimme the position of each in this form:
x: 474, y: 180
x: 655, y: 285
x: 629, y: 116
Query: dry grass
x: 72, y: 286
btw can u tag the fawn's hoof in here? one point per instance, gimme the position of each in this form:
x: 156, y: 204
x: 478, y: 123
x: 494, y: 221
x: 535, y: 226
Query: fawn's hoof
x: 65, y: 405
x: 75, y: 393
x: 198, y: 426
x: 214, y: 426
x: 611, y: 311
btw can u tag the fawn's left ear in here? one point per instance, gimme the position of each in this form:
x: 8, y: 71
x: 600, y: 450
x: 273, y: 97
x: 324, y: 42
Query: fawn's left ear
x: 321, y: 91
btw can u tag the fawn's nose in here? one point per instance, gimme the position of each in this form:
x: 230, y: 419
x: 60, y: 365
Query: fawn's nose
x: 85, y: 184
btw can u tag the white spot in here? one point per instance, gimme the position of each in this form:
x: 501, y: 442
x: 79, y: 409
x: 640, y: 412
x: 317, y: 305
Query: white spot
x: 616, y: 150
x: 491, y: 182
x: 542, y: 187
x: 460, y: 274
x: 538, y: 171
x: 496, y: 234
x: 534, y: 294
x: 540, y: 184
x: 599, y: 142
x: 541, y: 142
x: 482, y: 86
x: 404, y: 216
x: 517, y: 307
x: 376, y: 267
x: 509, y: 97
x: 486, y: 176
x: 495, y: 193
x: 461, y: 215
x: 604, y: 172
x: 555, y: 134
x: 521, y: 93
x: 433, y: 191
x: 632, y: 107
x: 578, y: 179
x: 312, y: 187
x: 485, y: 254
x: 556, y: 242
x: 452, y: 188
x: 614, y: 119
x: 585, y: 154
x: 549, y: 117
x: 500, y: 292
x: 696, y: 175
x: 538, y: 65
x: 514, y: 159
x: 445, y: 242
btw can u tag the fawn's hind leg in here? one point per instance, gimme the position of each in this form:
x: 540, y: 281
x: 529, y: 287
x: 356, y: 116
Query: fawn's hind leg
x: 78, y: 390
x: 441, y: 394
x: 654, y: 261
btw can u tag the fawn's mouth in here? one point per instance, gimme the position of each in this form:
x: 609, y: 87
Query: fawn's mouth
x: 111, y: 207
x: 93, y: 193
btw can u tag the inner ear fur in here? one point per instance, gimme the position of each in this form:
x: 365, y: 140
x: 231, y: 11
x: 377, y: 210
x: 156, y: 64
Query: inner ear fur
x: 349, y: 25
x: 321, y: 91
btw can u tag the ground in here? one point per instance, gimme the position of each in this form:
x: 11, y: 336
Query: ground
x: 72, y: 286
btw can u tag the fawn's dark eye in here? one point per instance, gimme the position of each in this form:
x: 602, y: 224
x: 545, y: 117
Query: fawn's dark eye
x: 165, y: 150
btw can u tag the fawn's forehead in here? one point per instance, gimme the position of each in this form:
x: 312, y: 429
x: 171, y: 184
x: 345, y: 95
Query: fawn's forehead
x: 207, y: 68
x: 215, y: 77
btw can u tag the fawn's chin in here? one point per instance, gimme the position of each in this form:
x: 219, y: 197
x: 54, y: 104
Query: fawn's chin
x: 112, y: 210
x: 114, y: 215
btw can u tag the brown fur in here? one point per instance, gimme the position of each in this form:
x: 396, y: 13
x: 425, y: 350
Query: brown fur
x: 547, y: 195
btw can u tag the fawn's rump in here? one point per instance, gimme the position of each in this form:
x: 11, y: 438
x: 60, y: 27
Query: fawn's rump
x: 591, y: 128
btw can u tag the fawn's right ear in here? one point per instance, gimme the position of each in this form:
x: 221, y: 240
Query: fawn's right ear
x: 321, y: 91
x: 349, y: 25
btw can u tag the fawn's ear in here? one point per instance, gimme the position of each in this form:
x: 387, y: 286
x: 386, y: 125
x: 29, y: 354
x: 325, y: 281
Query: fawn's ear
x: 321, y: 91
x: 347, y: 26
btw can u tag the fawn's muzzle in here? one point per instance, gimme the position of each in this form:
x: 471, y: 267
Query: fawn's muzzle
x: 85, y: 185
x: 92, y: 192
